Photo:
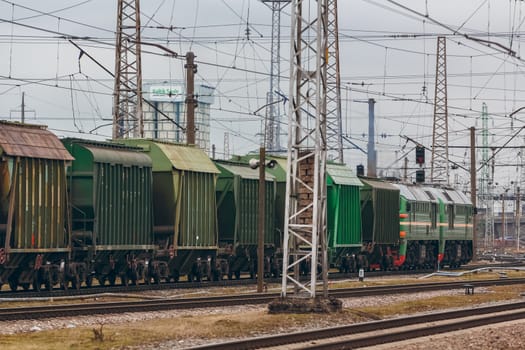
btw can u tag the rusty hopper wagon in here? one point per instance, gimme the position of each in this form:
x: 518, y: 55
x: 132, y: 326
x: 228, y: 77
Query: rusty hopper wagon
x: 34, y: 237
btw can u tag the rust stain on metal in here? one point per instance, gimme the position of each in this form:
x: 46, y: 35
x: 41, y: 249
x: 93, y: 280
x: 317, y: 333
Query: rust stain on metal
x: 32, y: 141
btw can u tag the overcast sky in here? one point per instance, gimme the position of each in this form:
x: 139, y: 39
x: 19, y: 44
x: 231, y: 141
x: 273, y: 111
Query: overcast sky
x: 387, y: 52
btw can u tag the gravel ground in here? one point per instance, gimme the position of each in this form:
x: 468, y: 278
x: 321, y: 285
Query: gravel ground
x: 493, y: 337
x: 503, y: 336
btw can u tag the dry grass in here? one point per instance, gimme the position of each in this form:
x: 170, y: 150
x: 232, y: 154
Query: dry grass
x: 492, y: 294
x: 154, y: 331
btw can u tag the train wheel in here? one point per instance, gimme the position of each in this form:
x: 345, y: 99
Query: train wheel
x: 48, y: 285
x: 102, y: 280
x: 25, y: 286
x: 75, y: 282
x: 112, y: 278
x: 135, y: 278
x: 124, y: 280
x: 36, y: 284
x: 176, y: 276
x: 13, y: 285
x: 89, y: 281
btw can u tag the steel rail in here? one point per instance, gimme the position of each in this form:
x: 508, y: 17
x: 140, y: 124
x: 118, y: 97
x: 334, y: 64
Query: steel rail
x: 211, y: 284
x: 69, y: 310
x: 395, y: 329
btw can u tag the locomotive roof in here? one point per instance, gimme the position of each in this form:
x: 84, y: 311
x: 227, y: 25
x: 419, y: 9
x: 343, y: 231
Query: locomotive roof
x: 450, y: 196
x: 32, y: 141
x: 405, y: 192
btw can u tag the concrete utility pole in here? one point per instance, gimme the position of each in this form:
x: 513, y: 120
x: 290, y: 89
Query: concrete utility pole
x: 262, y: 217
x: 191, y: 101
x: 518, y: 218
x: 305, y: 212
x: 371, y: 149
x: 473, y: 194
x: 405, y: 170
x: 439, y: 168
x: 127, y: 96
x: 23, y: 108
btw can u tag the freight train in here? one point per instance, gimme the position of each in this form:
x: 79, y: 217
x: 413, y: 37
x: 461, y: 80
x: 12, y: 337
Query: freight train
x: 74, y: 210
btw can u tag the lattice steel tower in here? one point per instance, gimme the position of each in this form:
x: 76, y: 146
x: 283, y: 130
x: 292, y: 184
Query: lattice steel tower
x: 485, y: 185
x: 334, y: 123
x: 273, y: 112
x: 305, y: 213
x: 127, y: 95
x: 439, y: 171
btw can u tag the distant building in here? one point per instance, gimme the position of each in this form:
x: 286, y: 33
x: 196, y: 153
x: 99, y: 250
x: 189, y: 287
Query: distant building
x: 170, y: 100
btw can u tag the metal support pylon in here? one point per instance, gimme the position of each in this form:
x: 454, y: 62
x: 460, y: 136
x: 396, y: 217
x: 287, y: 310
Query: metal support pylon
x: 484, y: 187
x: 273, y: 112
x: 334, y: 123
x: 439, y: 170
x: 127, y: 100
x: 305, y: 213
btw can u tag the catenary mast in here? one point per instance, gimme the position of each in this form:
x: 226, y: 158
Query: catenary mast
x: 305, y: 210
x: 273, y: 113
x: 439, y: 170
x: 127, y: 95
x: 334, y: 124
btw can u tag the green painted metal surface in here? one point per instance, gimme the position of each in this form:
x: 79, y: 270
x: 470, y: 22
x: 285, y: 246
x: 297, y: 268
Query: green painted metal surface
x: 380, y: 211
x: 456, y: 214
x: 238, y: 204
x: 422, y: 222
x: 184, y: 182
x: 343, y: 207
x: 111, y: 194
x: 342, y: 175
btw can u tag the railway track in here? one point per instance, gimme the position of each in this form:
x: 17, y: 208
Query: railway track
x: 211, y: 284
x: 385, y: 331
x: 72, y: 310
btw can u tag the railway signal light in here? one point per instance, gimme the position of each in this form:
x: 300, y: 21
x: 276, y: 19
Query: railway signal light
x: 420, y: 155
x: 420, y: 176
x: 360, y: 170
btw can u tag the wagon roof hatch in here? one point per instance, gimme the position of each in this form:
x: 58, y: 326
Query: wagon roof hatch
x: 342, y: 175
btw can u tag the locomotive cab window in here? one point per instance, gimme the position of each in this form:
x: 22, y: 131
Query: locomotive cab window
x: 451, y: 216
x: 433, y: 215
